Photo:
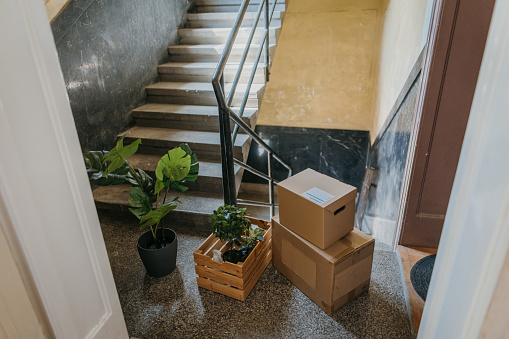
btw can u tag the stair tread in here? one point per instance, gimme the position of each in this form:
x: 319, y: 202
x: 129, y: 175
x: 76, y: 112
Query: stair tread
x: 227, y: 16
x: 191, y: 201
x: 218, y: 31
x: 228, y: 2
x: 180, y: 136
x: 199, y: 86
x: 172, y: 66
x: 217, y: 48
x: 148, y: 163
x: 188, y: 109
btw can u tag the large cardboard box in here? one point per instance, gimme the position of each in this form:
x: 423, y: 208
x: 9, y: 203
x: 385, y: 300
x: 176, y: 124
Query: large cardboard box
x: 332, y: 277
x: 319, y: 208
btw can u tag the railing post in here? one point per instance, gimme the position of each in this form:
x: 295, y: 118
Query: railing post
x: 271, y: 185
x: 267, y: 43
x: 229, y: 191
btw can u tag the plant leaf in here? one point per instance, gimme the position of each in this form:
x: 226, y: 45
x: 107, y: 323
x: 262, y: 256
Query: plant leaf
x: 118, y: 155
x: 153, y: 217
x: 140, y: 201
x: 178, y: 187
x: 94, y: 163
x: 177, y: 167
x: 158, y: 186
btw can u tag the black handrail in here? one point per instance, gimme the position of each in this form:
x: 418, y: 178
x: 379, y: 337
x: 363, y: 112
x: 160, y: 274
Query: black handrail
x: 226, y: 113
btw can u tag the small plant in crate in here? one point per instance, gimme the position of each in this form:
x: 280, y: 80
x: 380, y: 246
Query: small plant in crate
x: 230, y: 224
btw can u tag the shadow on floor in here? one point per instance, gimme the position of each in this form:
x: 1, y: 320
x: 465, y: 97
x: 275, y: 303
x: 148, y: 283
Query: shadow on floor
x: 174, y: 306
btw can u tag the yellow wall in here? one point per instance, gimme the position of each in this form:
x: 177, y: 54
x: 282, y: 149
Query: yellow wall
x: 404, y: 34
x: 325, y: 66
x: 17, y: 315
x: 495, y: 323
x: 54, y: 7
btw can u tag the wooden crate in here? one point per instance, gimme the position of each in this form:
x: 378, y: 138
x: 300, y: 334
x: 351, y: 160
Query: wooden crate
x: 233, y: 280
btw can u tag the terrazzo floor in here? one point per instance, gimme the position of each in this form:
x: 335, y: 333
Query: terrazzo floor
x: 174, y: 306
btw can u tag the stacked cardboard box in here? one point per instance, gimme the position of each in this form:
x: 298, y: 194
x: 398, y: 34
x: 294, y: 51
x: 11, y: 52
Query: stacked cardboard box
x: 314, y: 242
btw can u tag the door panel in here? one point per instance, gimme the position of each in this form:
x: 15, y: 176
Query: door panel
x: 457, y: 56
x: 46, y: 208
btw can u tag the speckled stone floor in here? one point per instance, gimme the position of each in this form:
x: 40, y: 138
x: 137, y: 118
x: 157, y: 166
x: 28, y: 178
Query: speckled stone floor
x: 174, y: 306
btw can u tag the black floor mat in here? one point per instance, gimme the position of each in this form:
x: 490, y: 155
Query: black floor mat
x: 420, y: 275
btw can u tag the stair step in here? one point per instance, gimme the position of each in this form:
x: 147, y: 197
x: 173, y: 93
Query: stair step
x: 199, y: 93
x: 193, y: 211
x: 210, y: 174
x: 192, y: 36
x: 206, y: 145
x: 211, y: 53
x: 188, y: 117
x: 230, y: 2
x: 210, y: 20
x: 204, y: 71
x: 205, y: 7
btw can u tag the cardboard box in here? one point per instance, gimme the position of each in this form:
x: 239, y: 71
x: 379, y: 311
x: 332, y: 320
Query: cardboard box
x: 332, y: 277
x: 317, y: 207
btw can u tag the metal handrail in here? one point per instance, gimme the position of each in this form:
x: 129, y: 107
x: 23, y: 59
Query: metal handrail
x: 226, y: 113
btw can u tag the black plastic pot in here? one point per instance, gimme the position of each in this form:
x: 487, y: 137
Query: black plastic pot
x: 162, y: 261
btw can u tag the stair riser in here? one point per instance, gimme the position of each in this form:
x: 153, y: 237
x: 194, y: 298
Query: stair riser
x: 221, y: 39
x: 259, y: 77
x: 203, y: 154
x: 200, y: 99
x: 175, y: 217
x: 235, y: 8
x: 204, y: 184
x: 228, y: 23
x: 206, y: 124
x: 177, y: 55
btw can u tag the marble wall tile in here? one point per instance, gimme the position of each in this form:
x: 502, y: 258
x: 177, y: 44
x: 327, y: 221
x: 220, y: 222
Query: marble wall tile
x: 109, y: 51
x: 340, y: 154
x: 389, y: 156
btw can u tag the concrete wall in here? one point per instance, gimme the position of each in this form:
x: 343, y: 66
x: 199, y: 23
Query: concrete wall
x: 404, y: 34
x: 109, y: 51
x: 324, y: 69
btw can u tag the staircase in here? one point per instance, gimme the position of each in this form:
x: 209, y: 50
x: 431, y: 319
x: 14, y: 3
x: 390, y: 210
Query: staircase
x: 182, y: 108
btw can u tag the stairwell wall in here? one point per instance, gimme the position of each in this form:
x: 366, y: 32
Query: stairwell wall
x: 404, y: 34
x: 109, y: 51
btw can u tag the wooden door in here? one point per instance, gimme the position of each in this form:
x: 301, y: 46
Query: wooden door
x: 456, y: 60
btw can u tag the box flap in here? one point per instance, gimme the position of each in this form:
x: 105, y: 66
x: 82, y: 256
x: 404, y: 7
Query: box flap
x: 344, y: 246
x: 323, y: 190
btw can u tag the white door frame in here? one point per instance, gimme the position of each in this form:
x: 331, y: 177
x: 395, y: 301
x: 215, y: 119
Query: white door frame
x: 46, y: 207
x: 475, y: 237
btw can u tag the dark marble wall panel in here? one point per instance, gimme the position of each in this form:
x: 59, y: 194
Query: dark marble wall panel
x: 340, y: 154
x: 109, y: 51
x: 388, y: 156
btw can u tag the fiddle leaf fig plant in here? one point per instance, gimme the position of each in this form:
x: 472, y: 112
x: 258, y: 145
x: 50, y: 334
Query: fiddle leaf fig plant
x: 230, y: 224
x: 175, y: 170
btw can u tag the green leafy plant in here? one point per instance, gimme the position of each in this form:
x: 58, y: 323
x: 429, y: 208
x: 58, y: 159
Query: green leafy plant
x: 175, y: 170
x: 230, y: 224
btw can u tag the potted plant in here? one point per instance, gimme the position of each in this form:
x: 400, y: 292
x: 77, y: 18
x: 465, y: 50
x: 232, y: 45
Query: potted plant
x: 148, y: 197
x: 230, y: 224
x: 232, y: 259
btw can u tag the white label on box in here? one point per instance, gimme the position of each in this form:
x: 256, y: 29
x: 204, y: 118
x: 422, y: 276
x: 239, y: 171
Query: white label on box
x: 317, y: 195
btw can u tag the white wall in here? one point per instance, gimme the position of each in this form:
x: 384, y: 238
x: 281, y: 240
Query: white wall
x: 404, y: 34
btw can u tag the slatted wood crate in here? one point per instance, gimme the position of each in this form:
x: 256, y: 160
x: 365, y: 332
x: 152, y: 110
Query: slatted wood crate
x: 233, y: 280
